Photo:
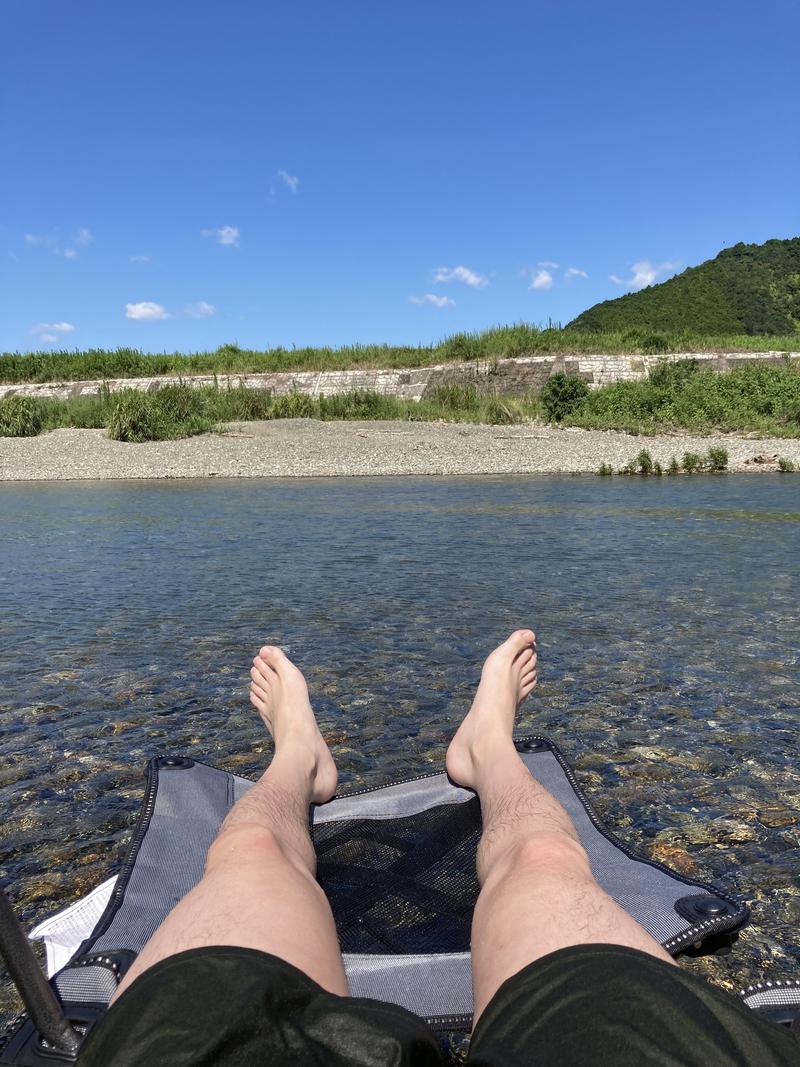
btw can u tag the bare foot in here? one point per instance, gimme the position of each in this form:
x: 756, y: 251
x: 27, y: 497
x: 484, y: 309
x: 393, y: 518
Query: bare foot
x: 279, y: 693
x: 508, y: 675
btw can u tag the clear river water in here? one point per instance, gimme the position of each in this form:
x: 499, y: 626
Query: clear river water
x: 667, y: 613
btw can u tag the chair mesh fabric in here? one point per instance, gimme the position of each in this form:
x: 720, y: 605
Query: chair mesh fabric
x: 402, y: 885
x: 398, y: 866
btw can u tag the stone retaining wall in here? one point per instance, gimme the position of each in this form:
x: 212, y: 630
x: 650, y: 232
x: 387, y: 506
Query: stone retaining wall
x: 507, y: 377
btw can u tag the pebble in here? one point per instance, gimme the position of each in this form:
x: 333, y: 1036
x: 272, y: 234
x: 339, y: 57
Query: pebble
x: 283, y: 448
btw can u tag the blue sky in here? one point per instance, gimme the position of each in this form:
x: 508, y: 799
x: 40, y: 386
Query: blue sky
x: 177, y: 175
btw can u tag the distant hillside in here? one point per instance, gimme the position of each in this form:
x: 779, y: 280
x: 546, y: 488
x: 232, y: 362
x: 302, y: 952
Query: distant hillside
x: 747, y: 289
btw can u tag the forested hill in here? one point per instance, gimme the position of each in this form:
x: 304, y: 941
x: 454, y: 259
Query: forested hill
x: 747, y: 289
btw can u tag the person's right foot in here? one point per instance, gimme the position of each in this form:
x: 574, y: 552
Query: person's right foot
x: 279, y: 693
x: 508, y: 676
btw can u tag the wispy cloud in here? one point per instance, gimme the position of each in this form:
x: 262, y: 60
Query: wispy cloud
x: 645, y: 273
x: 225, y: 235
x: 574, y: 272
x: 37, y: 240
x: 542, y: 279
x: 146, y: 311
x: 200, y: 310
x: 460, y: 274
x: 291, y: 181
x: 50, y: 332
x: 82, y: 237
x: 433, y: 299
x: 548, y: 264
x: 139, y: 259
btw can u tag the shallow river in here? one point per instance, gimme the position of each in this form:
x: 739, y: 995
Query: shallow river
x: 668, y: 621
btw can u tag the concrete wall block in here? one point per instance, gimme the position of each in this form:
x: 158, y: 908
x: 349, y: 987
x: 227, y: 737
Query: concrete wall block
x: 512, y: 377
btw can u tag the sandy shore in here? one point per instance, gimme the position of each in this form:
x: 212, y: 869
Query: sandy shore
x: 294, y: 448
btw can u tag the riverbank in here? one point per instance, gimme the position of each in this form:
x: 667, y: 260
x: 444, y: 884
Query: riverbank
x: 292, y: 448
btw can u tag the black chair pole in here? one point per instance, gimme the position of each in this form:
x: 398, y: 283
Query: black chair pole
x: 40, y: 1000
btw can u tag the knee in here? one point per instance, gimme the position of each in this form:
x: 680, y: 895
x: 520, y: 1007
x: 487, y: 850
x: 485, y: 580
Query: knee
x: 243, y: 843
x: 545, y: 854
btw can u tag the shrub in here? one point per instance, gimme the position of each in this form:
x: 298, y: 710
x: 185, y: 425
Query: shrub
x: 246, y: 404
x: 785, y: 465
x: 456, y: 397
x: 718, y: 458
x: 673, y: 374
x: 692, y: 462
x: 360, y: 404
x: 674, y: 467
x: 461, y: 346
x: 135, y: 417
x: 21, y: 416
x: 658, y: 470
x: 654, y: 342
x: 293, y: 406
x: 644, y: 461
x: 179, y: 403
x: 500, y: 412
x: 605, y: 469
x: 563, y: 395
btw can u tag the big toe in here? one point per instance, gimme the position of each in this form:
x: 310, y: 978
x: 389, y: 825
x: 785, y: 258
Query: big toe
x: 518, y: 642
x: 275, y: 657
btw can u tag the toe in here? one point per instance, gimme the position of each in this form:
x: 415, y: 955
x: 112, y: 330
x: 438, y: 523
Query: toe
x: 261, y: 669
x: 259, y: 691
x: 524, y: 659
x: 258, y: 703
x: 274, y: 657
x: 519, y: 640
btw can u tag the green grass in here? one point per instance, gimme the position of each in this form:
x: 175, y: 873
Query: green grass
x: 20, y: 416
x: 497, y: 343
x: 182, y: 411
x: 760, y: 397
x: 715, y: 460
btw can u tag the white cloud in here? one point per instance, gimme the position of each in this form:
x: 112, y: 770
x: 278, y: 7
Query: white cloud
x: 542, y: 279
x: 460, y: 274
x: 50, y: 332
x: 432, y: 298
x: 146, y: 311
x: 291, y: 181
x: 67, y: 253
x: 574, y: 272
x: 139, y: 259
x: 83, y: 236
x: 644, y: 273
x: 200, y: 310
x: 548, y: 264
x: 34, y: 239
x: 225, y: 235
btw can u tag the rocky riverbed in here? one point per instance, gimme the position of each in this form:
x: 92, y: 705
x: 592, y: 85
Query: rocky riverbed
x: 309, y: 448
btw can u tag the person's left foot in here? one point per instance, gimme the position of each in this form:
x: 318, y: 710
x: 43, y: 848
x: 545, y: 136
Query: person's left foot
x: 279, y: 693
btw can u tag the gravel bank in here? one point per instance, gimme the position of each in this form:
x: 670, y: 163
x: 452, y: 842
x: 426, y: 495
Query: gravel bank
x: 290, y: 448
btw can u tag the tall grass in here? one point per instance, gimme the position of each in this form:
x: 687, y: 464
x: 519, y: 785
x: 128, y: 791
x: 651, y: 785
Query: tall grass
x: 758, y: 398
x: 499, y: 342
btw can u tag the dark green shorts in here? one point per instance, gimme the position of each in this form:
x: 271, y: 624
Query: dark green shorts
x: 591, y: 1004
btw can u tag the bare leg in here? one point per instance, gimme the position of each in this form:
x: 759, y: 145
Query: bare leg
x: 259, y: 889
x: 537, y: 890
